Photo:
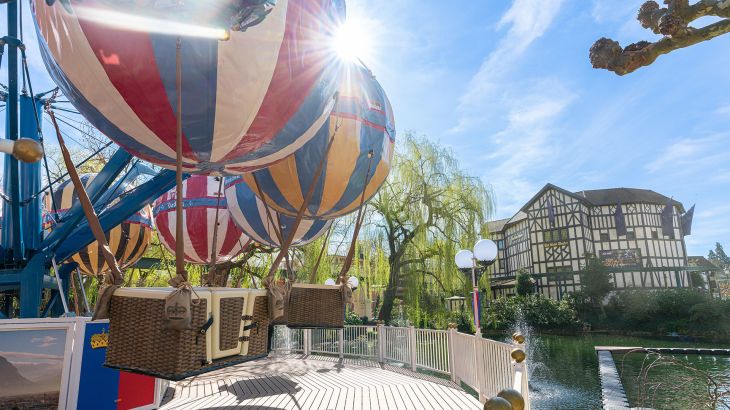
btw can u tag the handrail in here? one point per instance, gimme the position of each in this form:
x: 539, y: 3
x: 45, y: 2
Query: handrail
x: 485, y: 365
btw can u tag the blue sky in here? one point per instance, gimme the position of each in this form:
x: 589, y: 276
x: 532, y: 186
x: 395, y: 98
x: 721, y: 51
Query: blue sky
x: 508, y: 86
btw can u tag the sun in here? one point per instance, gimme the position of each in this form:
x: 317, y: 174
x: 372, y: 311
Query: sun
x: 351, y: 41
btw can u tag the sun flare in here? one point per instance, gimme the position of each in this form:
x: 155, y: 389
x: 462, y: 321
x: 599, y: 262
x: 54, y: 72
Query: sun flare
x: 352, y: 41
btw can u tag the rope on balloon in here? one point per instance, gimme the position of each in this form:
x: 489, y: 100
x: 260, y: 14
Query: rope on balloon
x: 113, y: 278
x: 214, y: 251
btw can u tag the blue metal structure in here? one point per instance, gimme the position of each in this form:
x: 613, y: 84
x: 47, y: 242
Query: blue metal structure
x: 25, y: 256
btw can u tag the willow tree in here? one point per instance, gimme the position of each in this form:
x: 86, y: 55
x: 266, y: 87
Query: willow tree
x: 426, y: 208
x: 673, y: 23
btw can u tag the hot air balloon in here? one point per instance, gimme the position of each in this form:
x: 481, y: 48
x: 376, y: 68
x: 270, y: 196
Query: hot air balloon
x: 247, y: 101
x: 250, y: 214
x: 127, y: 241
x: 200, y: 201
x: 363, y: 126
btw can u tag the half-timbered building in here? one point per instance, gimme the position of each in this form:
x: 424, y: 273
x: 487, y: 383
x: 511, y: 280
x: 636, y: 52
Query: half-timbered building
x: 551, y: 235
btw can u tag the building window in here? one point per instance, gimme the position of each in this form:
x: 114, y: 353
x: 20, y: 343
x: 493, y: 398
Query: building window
x: 500, y: 244
x: 654, y: 235
x: 555, y: 235
x: 500, y: 263
x: 605, y: 237
x: 631, y: 235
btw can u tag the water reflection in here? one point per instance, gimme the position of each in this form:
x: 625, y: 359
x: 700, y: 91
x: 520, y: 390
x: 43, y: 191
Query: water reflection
x: 563, y: 370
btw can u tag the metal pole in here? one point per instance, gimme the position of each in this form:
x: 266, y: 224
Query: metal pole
x: 12, y: 131
x: 179, y: 246
x: 475, y: 298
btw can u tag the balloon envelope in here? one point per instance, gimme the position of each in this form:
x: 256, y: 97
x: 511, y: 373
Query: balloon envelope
x: 127, y: 241
x: 246, y: 102
x: 200, y: 202
x: 250, y: 214
x: 362, y: 124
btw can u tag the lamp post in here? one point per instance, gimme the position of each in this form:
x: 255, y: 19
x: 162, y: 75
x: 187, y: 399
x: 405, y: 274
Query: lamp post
x: 484, y: 255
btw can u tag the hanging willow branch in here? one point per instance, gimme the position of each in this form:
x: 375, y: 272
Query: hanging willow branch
x: 673, y: 22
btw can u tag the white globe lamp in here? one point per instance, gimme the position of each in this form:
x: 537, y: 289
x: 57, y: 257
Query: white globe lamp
x: 464, y: 259
x: 485, y: 250
x: 330, y: 282
x: 353, y: 282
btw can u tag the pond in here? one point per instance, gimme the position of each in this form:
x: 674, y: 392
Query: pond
x: 564, y: 369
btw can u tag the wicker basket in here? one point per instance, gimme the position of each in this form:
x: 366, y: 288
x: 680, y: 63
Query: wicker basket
x: 140, y: 343
x: 313, y: 306
x: 257, y: 329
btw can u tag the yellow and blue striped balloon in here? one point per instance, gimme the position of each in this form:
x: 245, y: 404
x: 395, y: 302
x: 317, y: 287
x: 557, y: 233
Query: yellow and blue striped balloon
x: 267, y: 226
x: 363, y: 126
x: 128, y: 241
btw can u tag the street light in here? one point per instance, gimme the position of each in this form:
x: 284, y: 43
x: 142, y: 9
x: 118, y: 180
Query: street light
x: 484, y: 255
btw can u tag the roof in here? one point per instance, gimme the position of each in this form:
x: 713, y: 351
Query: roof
x: 612, y: 196
x: 701, y: 261
x: 498, y: 225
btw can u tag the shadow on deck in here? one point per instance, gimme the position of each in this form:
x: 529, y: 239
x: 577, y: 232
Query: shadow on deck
x: 316, y: 382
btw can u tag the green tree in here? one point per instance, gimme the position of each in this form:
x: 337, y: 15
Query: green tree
x: 719, y: 257
x: 673, y: 23
x: 525, y: 283
x: 595, y: 281
x: 426, y: 209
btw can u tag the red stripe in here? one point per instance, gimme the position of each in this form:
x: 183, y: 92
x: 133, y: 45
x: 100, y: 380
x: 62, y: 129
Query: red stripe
x: 196, y: 223
x: 163, y: 231
x: 230, y: 241
x: 129, y: 61
x: 360, y: 119
x: 302, y: 57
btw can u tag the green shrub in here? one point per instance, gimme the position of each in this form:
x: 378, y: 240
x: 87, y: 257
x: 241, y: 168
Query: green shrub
x: 538, y: 311
x: 351, y: 318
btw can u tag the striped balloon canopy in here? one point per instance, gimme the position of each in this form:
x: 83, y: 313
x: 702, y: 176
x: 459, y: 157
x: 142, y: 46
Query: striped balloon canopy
x: 267, y: 226
x: 247, y: 101
x: 202, y: 197
x: 363, y: 135
x: 127, y: 241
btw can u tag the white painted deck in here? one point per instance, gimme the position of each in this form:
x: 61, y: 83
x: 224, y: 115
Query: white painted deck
x: 316, y: 382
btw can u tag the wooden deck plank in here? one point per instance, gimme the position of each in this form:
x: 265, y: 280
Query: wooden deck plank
x: 292, y: 383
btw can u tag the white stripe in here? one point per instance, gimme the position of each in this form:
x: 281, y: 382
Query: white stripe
x: 246, y: 64
x: 70, y: 49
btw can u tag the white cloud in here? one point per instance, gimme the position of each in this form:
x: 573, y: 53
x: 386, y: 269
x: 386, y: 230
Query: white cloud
x: 694, y: 155
x: 723, y: 110
x: 527, y: 142
x: 527, y: 20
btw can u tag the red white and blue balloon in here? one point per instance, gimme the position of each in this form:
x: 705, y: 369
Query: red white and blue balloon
x: 246, y: 102
x: 200, y: 202
x: 251, y: 215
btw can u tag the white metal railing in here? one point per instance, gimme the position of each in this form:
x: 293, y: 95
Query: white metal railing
x: 484, y: 365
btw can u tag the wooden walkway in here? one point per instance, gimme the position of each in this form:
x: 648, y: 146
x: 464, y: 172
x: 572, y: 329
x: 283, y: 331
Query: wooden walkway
x: 316, y: 382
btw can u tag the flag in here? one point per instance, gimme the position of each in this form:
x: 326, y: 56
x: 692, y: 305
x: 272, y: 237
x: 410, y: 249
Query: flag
x: 551, y: 212
x: 667, y: 219
x: 618, y: 217
x: 686, y: 221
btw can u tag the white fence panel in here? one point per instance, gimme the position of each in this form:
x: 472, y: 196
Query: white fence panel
x: 465, y: 367
x: 397, y: 344
x: 495, y: 363
x: 432, y: 350
x: 361, y: 341
x: 325, y: 341
x: 287, y: 340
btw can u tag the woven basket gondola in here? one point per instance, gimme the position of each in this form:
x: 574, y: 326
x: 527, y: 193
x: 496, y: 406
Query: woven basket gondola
x: 139, y: 342
x: 312, y: 306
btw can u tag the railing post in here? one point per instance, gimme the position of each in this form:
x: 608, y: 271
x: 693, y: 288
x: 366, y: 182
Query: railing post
x: 307, y: 336
x: 450, y: 349
x: 479, y: 366
x: 519, y: 368
x: 412, y: 346
x: 380, y: 331
x: 341, y: 342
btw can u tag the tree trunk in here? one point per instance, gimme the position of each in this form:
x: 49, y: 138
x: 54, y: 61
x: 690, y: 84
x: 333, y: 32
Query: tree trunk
x: 386, y: 311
